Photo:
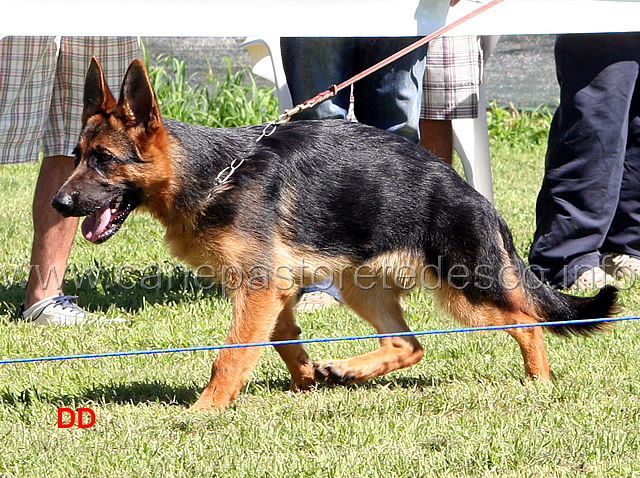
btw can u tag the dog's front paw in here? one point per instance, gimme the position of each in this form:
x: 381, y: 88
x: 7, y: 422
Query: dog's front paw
x: 303, y: 384
x: 203, y: 406
x: 210, y: 401
x: 332, y: 374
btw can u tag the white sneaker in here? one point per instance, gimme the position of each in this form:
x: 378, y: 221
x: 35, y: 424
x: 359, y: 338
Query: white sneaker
x: 316, y: 299
x: 623, y: 266
x: 60, y: 310
x: 595, y: 278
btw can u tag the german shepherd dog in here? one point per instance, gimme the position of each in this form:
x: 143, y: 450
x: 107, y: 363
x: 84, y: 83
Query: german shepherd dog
x: 333, y: 199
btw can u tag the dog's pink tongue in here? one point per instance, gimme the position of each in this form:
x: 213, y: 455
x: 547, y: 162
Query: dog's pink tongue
x: 95, y: 224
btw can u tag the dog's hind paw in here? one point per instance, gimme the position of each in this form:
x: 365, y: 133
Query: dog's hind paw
x: 331, y: 374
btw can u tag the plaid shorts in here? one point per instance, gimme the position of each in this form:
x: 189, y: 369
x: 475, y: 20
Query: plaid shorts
x: 452, y: 78
x: 41, y: 89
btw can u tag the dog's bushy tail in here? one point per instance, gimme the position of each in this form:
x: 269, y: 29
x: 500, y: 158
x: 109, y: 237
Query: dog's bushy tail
x: 546, y: 304
x: 550, y: 305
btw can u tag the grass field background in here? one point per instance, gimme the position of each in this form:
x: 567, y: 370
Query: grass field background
x: 464, y: 410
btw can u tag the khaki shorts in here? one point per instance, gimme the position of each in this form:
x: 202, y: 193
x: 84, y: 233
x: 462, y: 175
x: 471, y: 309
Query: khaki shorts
x: 452, y: 78
x: 41, y: 89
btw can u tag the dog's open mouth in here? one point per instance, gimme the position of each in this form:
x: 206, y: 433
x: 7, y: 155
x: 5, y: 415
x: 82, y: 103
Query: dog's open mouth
x: 105, y: 221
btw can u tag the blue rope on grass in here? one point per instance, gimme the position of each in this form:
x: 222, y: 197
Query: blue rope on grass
x: 316, y: 340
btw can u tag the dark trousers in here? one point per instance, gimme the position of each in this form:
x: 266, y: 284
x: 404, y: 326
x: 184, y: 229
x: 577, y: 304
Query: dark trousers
x: 589, y: 203
x: 389, y: 99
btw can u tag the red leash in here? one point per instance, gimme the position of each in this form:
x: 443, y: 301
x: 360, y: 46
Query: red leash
x: 334, y: 89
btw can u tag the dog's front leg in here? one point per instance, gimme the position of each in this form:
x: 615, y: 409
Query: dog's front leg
x: 295, y: 357
x: 254, y: 316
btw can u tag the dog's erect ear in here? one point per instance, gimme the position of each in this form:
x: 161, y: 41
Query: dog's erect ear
x: 97, y: 95
x: 137, y: 104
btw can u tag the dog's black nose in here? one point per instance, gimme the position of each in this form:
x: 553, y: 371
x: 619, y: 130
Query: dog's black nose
x: 63, y: 203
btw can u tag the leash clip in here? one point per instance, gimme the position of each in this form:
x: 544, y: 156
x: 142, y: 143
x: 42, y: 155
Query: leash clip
x: 224, y: 175
x: 269, y: 129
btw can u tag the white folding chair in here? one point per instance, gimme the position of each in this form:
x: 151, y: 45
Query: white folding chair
x: 266, y: 62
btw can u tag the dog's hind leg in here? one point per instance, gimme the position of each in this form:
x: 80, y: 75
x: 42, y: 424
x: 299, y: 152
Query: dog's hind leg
x: 255, y: 314
x: 294, y: 356
x: 536, y: 364
x: 529, y: 339
x: 380, y: 307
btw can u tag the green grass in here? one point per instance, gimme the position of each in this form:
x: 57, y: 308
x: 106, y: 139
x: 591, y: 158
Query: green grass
x: 233, y: 99
x: 464, y: 410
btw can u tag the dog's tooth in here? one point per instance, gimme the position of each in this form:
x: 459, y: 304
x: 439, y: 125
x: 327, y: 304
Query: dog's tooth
x: 117, y: 204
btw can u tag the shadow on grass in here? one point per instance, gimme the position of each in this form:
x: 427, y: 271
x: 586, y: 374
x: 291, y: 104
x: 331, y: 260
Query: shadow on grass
x: 128, y: 289
x: 136, y: 393
x: 141, y: 393
x: 374, y: 384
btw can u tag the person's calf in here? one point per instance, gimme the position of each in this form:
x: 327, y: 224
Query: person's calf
x: 53, y: 234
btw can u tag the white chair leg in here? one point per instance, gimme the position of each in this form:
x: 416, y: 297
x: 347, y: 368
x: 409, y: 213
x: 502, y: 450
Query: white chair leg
x: 471, y: 141
x: 471, y: 138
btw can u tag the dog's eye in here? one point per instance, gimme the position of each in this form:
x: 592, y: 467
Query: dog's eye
x: 104, y: 156
x: 100, y: 155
